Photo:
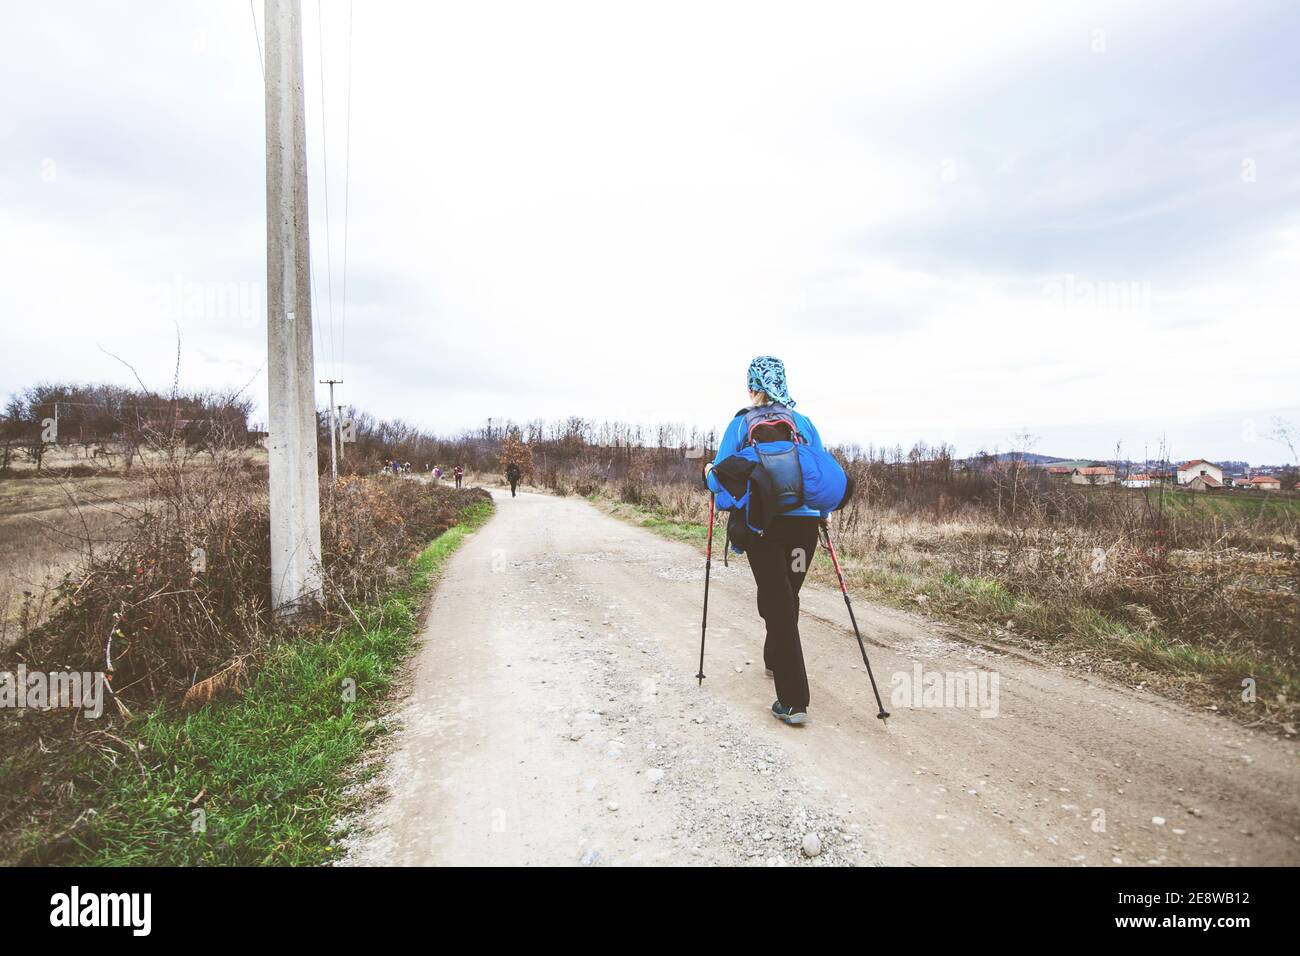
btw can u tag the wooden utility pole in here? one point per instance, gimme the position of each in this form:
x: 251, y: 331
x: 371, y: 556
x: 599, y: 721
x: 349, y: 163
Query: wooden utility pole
x: 291, y: 443
x: 334, y: 459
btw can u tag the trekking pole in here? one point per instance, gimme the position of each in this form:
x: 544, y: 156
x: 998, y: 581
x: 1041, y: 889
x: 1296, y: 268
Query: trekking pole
x: 826, y: 534
x: 708, y: 564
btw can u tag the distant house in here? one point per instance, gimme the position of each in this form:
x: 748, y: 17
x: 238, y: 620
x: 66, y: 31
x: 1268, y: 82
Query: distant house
x: 1265, y: 483
x: 1204, y: 482
x: 1137, y: 481
x: 1192, y: 469
x: 1093, y: 475
x: 1058, y: 472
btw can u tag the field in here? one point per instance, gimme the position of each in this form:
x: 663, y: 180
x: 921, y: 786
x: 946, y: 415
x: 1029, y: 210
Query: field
x: 43, y: 523
x: 101, y: 572
x: 49, y: 519
x: 1226, y: 504
x: 1200, y: 603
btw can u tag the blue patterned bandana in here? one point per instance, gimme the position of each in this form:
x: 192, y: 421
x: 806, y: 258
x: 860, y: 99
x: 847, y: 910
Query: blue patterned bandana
x: 767, y: 374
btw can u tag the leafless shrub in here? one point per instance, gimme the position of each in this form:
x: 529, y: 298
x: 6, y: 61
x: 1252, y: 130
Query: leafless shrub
x: 184, y: 591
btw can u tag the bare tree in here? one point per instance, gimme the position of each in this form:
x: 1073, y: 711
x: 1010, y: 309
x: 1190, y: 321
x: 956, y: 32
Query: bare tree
x: 1288, y: 434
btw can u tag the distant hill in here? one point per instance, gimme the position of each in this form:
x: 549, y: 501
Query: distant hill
x: 1028, y: 456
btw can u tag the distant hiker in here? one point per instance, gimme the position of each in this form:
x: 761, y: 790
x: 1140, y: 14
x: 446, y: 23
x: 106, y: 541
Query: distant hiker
x: 779, y: 483
x: 459, y: 473
x: 512, y: 475
x: 437, y: 473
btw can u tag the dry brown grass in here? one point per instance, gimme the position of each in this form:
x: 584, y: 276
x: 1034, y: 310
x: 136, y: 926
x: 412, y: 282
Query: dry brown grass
x: 115, y: 577
x: 1192, y: 605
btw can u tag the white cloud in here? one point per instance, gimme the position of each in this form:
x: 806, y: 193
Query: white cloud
x: 593, y: 209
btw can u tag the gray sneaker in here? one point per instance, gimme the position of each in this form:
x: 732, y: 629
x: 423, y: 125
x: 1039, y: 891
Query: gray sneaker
x: 789, y: 715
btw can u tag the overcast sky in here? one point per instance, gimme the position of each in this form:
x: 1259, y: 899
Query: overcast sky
x: 1080, y: 221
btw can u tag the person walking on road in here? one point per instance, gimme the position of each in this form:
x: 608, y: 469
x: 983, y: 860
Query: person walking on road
x: 459, y: 474
x: 779, y: 558
x: 512, y: 475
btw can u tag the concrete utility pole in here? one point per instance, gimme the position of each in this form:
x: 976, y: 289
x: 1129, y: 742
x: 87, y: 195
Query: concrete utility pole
x: 291, y: 442
x: 334, y: 460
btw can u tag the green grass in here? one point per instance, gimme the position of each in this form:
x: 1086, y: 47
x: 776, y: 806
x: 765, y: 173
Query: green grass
x: 1225, y: 504
x: 665, y: 527
x: 268, y: 767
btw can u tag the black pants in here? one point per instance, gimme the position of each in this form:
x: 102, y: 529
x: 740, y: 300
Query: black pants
x: 458, y: 481
x: 513, y: 482
x: 780, y: 561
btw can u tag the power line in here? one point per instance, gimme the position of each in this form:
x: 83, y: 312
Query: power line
x: 315, y: 295
x: 315, y: 318
x: 257, y: 37
x: 324, y: 150
x: 347, y: 189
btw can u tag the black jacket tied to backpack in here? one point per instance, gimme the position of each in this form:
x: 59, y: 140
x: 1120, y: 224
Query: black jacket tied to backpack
x: 753, y: 498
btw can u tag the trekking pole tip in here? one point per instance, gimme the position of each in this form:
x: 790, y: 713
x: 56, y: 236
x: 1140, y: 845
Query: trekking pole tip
x: 883, y: 715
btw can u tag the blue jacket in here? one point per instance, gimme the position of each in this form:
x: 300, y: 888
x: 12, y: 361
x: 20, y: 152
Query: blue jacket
x: 733, y: 440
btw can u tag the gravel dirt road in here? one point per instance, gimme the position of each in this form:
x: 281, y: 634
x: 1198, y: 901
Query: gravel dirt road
x: 554, y: 719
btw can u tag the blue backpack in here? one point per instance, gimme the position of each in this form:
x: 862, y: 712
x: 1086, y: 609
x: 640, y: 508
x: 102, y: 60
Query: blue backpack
x: 780, y: 458
x: 801, y: 475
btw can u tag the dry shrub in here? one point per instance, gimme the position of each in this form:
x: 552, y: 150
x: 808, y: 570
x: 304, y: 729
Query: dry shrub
x: 1106, y: 556
x: 169, y: 620
x: 635, y: 489
x: 588, y: 480
x: 370, y: 525
x: 150, y: 608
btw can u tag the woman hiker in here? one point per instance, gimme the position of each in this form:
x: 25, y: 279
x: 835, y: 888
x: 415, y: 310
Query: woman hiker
x: 781, y: 556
